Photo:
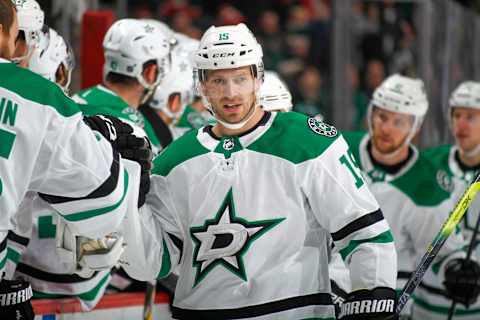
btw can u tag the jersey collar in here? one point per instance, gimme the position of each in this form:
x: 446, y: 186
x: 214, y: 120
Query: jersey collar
x: 376, y: 174
x: 455, y: 167
x: 2, y: 60
x: 208, y: 139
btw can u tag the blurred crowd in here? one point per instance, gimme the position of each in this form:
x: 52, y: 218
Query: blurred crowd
x: 296, y: 39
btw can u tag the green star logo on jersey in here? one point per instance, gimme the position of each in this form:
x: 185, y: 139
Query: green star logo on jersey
x: 224, y: 240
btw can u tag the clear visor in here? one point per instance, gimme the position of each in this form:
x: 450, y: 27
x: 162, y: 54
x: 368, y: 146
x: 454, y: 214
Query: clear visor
x: 394, y: 122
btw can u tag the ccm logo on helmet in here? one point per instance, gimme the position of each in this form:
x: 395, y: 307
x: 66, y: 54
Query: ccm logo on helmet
x: 223, y: 55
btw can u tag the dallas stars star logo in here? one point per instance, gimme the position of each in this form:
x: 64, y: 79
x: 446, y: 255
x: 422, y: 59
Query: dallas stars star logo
x: 148, y: 28
x: 225, y: 239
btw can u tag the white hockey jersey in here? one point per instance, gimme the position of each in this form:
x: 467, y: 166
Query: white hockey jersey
x: 415, y: 205
x: 45, y: 147
x: 430, y: 299
x: 245, y: 221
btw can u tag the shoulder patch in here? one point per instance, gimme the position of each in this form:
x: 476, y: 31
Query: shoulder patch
x: 321, y: 128
x: 445, y: 181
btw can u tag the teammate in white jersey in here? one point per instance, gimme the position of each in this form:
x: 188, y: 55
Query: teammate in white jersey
x: 461, y: 162
x: 243, y: 210
x: 45, y: 147
x: 39, y: 263
x: 274, y: 93
x: 405, y: 184
x: 30, y: 22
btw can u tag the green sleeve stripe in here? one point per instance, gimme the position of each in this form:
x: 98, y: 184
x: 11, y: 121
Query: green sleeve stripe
x: 93, y: 294
x: 97, y: 212
x: 87, y: 296
x: 13, y: 255
x: 385, y: 237
x: 2, y: 264
x: 166, y: 262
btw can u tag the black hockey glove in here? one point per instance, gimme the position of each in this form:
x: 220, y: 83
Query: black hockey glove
x: 131, y: 147
x: 462, y: 281
x: 110, y: 127
x: 139, y: 150
x: 15, y: 300
x: 376, y: 304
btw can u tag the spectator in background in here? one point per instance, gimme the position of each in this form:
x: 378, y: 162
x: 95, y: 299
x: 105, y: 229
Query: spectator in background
x: 309, y: 95
x: 320, y: 31
x: 229, y: 15
x: 182, y: 22
x: 375, y: 73
x: 272, y: 39
x: 359, y: 98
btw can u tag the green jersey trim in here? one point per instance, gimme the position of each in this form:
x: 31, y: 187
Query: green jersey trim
x: 384, y: 237
x: 179, y: 151
x: 86, y: 296
x: 40, y: 90
x: 166, y: 262
x: 13, y: 255
x: 291, y: 138
x: 97, y: 212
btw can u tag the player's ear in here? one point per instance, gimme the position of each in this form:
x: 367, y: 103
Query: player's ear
x: 61, y: 75
x: 150, y: 73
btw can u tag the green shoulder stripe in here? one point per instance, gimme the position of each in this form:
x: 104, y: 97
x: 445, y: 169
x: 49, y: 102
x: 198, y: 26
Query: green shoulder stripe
x: 422, y: 184
x: 34, y: 87
x: 292, y: 138
x: 179, y: 151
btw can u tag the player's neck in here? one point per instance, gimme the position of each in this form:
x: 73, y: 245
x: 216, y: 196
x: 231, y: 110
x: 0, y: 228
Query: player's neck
x: 389, y: 159
x: 469, y: 161
x: 130, y: 95
x: 220, y: 131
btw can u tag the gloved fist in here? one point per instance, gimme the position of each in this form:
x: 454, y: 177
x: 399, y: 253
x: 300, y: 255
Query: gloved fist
x: 138, y: 149
x: 15, y: 300
x: 462, y: 280
x: 109, y: 127
x: 376, y: 304
x: 131, y: 147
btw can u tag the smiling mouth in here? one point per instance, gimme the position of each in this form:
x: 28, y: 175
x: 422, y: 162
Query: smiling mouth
x: 232, y: 106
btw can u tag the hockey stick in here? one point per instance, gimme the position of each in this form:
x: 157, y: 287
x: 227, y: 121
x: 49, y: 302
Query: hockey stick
x: 149, y: 300
x: 451, y: 312
x: 437, y: 243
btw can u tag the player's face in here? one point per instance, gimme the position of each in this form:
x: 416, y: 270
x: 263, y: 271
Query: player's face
x: 231, y: 92
x: 466, y: 128
x: 390, y: 129
x: 8, y: 39
x: 22, y: 52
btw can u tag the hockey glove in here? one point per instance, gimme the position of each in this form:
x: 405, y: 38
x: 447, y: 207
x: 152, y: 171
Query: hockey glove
x: 376, y: 304
x: 338, y: 297
x: 462, y: 280
x: 109, y: 127
x: 85, y: 256
x: 137, y: 149
x: 131, y: 147
x: 15, y: 300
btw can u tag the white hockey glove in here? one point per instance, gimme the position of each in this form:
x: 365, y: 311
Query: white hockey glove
x: 85, y: 256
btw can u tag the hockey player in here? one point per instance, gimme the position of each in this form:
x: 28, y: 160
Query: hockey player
x: 40, y: 263
x: 460, y: 162
x: 243, y: 209
x: 30, y: 23
x: 54, y: 59
x: 274, y: 94
x: 404, y: 182
x: 137, y: 58
x: 46, y: 147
